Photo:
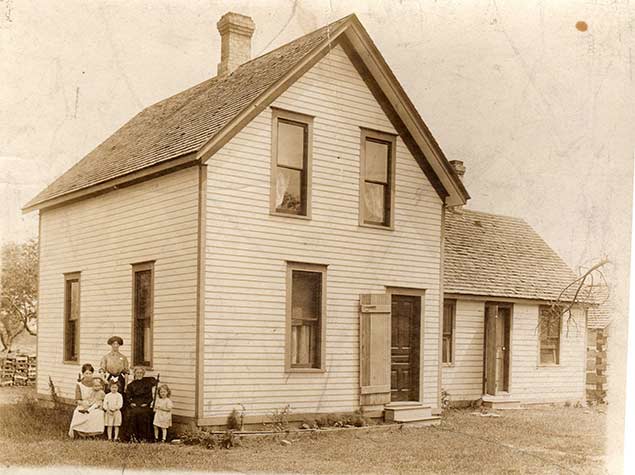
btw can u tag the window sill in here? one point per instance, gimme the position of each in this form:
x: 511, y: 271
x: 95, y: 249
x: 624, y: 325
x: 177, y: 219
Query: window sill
x: 376, y: 226
x: 76, y: 363
x: 448, y: 365
x: 305, y: 370
x: 294, y: 216
x: 548, y: 365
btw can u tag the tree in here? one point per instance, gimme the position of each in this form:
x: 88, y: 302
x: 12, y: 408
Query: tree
x: 18, y: 290
x: 591, y: 287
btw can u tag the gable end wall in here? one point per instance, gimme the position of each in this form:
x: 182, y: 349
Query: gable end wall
x: 247, y: 250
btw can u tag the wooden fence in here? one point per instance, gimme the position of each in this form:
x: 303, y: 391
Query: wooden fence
x: 596, y: 365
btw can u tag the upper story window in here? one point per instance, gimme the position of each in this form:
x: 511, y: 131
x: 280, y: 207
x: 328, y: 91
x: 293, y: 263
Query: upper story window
x: 143, y: 312
x: 71, y: 317
x: 291, y: 163
x: 377, y: 181
x: 550, y: 328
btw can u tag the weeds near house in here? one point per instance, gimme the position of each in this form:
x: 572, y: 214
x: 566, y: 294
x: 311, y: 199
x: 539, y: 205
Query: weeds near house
x: 54, y: 396
x: 445, y: 399
x: 279, y: 419
x: 235, y: 420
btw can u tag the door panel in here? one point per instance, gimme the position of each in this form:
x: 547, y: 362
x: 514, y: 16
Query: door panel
x: 490, y: 349
x: 497, y: 350
x: 405, y: 340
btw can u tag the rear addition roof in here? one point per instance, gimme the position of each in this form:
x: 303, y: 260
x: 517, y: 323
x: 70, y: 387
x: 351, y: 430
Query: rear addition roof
x: 500, y: 256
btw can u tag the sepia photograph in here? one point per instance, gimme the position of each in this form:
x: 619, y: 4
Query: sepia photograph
x: 326, y: 236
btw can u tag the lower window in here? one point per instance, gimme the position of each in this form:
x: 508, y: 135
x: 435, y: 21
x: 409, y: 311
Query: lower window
x: 550, y: 325
x: 306, y: 303
x: 143, y: 303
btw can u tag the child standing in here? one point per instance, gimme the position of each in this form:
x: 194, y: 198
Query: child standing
x: 113, y: 402
x: 162, y: 412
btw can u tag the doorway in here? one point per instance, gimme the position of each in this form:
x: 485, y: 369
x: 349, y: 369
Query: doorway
x: 405, y: 344
x: 497, y: 349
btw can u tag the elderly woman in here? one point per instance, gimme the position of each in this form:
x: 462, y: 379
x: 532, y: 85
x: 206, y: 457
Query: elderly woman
x: 114, y: 364
x: 139, y: 397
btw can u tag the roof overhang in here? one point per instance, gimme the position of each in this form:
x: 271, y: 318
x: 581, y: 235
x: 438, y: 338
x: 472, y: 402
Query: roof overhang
x: 154, y: 171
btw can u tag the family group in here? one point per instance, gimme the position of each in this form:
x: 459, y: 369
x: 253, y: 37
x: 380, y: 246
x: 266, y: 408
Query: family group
x: 106, y: 402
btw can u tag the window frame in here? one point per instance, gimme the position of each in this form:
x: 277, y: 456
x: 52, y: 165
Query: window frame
x: 140, y: 267
x: 389, y: 204
x: 72, y: 277
x: 452, y: 303
x: 540, y: 339
x: 305, y: 267
x: 284, y: 115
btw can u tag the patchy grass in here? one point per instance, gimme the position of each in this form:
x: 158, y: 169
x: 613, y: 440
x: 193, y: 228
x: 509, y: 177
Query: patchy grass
x: 548, y: 440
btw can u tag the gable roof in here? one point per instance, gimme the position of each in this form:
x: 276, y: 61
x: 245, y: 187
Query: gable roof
x: 500, y: 256
x: 188, y: 122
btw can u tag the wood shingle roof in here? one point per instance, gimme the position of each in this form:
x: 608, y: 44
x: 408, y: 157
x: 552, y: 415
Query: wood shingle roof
x: 185, y: 122
x: 500, y: 256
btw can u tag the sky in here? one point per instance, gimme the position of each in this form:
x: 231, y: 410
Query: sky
x: 539, y: 108
x: 539, y: 111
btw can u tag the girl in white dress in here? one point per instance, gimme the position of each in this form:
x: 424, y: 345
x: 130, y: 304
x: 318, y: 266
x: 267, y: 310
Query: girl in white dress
x: 162, y: 412
x: 113, y: 402
x: 88, y: 417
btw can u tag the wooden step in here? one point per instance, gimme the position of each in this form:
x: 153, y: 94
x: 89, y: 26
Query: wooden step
x: 407, y: 412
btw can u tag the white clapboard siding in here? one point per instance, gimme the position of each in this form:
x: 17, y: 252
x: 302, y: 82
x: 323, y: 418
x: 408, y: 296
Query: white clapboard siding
x: 530, y: 382
x: 463, y: 380
x: 101, y: 237
x: 247, y: 250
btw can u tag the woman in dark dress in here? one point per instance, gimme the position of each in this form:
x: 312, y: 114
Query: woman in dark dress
x: 139, y: 396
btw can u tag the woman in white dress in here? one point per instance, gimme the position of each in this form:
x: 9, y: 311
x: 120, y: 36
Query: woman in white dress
x: 88, y: 417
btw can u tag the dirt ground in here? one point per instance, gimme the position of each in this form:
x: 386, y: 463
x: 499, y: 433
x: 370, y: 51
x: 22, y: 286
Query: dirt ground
x: 536, y: 440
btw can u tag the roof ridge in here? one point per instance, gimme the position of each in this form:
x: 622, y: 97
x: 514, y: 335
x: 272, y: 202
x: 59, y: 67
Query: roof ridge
x: 487, y: 213
x: 314, y: 32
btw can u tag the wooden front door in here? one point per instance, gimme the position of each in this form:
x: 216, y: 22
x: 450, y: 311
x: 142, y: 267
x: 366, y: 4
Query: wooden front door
x: 405, y: 341
x: 497, y: 348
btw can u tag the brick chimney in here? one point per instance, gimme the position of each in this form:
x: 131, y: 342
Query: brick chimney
x: 235, y: 33
x: 459, y: 168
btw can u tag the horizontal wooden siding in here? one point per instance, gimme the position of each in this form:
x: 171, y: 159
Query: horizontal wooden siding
x: 101, y: 237
x: 247, y: 250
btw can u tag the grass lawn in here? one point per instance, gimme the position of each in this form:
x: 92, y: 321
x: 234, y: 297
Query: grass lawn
x: 545, y: 440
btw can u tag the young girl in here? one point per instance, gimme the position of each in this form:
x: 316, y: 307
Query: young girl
x: 88, y: 417
x: 162, y: 412
x: 113, y: 402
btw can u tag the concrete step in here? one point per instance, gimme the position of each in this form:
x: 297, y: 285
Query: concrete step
x: 496, y: 402
x: 407, y: 412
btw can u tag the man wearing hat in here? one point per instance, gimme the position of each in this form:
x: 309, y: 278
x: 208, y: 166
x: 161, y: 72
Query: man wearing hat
x: 114, y: 364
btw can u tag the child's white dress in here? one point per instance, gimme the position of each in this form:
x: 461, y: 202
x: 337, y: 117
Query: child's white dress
x: 113, y: 402
x: 163, y: 413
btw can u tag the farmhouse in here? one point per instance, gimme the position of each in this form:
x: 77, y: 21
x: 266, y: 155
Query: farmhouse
x: 274, y: 236
x: 230, y: 232
x: 501, y: 344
